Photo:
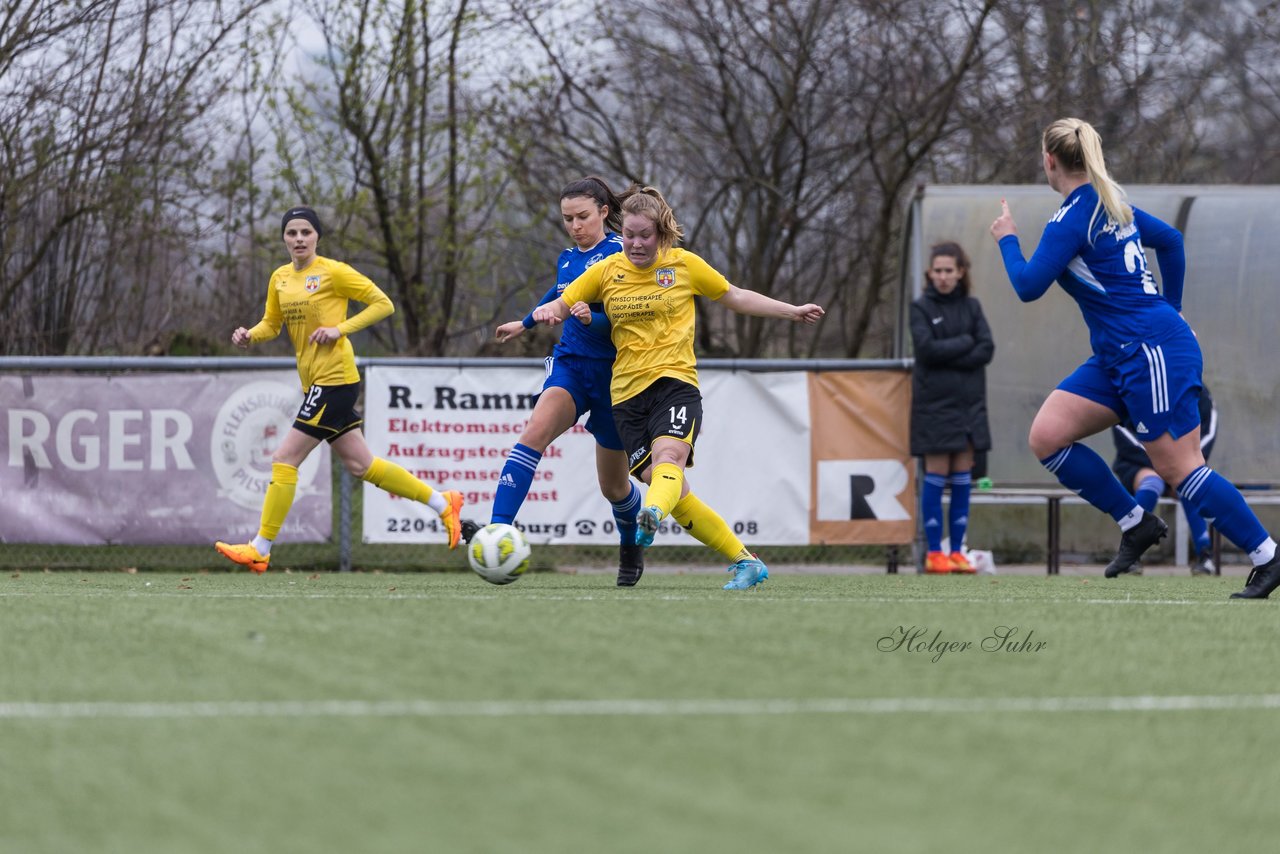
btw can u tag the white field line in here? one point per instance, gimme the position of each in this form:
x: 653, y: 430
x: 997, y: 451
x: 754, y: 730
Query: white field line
x: 630, y: 708
x: 623, y: 597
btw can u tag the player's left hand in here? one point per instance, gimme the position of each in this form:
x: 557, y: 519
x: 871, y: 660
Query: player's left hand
x: 808, y: 313
x: 507, y: 331
x: 582, y: 311
x: 1003, y: 225
x: 325, y: 335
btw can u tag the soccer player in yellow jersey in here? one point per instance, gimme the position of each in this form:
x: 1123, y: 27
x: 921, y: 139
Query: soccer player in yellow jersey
x: 310, y: 296
x: 647, y: 291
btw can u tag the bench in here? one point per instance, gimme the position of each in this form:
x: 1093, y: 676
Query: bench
x: 1054, y: 497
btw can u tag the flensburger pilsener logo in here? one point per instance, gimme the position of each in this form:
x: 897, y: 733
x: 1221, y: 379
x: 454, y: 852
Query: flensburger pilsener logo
x: 246, y: 432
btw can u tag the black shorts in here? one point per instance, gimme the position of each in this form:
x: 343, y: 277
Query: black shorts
x: 1130, y: 457
x: 1127, y: 473
x: 669, y: 407
x: 328, y: 412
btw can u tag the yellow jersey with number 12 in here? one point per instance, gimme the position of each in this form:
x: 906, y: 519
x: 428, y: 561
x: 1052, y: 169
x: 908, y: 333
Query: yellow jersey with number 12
x: 652, y: 314
x: 317, y: 296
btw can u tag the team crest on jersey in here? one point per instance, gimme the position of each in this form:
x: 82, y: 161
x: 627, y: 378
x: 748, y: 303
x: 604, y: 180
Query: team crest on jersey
x: 666, y: 277
x: 313, y: 284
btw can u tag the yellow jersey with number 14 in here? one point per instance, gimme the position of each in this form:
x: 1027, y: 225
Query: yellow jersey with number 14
x: 317, y: 296
x: 652, y: 314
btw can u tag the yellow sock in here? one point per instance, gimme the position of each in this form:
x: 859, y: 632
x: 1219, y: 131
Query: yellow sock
x: 397, y: 481
x: 275, y: 507
x: 664, y: 487
x: 707, y: 526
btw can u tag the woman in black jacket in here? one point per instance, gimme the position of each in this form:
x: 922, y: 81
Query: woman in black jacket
x: 948, y: 398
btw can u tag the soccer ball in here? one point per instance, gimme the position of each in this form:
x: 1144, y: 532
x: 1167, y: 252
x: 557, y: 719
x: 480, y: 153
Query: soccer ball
x: 499, y: 553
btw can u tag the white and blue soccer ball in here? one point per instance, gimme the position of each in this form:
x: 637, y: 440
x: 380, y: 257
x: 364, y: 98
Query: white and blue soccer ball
x: 499, y: 553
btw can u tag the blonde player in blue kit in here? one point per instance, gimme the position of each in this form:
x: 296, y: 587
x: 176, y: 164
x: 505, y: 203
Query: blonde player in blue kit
x: 1146, y: 362
x: 648, y: 291
x: 310, y: 295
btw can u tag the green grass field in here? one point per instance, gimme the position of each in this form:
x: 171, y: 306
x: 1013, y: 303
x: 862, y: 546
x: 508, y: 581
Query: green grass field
x: 156, y: 712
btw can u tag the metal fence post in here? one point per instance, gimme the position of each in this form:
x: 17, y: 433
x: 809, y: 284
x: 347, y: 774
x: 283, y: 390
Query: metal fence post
x: 344, y: 520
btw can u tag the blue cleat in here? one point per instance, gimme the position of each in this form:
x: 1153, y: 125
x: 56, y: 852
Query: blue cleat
x: 747, y: 572
x: 647, y: 525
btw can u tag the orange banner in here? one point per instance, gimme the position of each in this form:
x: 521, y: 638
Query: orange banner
x: 862, y: 474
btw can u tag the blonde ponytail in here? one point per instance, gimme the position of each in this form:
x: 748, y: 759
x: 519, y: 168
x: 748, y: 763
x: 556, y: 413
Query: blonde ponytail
x: 1078, y: 148
x: 1110, y: 194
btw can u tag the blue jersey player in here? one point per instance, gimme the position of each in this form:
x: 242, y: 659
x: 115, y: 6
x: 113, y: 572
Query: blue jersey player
x: 579, y: 373
x: 1146, y: 362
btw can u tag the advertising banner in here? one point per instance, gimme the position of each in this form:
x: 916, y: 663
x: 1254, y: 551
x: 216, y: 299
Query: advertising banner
x: 151, y: 458
x: 787, y: 458
x: 863, y: 472
x: 454, y: 428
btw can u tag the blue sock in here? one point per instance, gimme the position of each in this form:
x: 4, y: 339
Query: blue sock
x: 624, y: 516
x: 958, y: 521
x: 931, y: 509
x: 1150, y: 488
x: 513, y: 485
x: 1198, y: 527
x: 1213, y: 497
x: 1079, y: 468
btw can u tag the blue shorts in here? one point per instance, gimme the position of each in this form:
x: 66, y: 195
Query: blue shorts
x: 1155, y: 386
x: 587, y: 381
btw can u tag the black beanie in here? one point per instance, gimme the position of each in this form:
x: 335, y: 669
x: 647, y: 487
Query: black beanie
x: 302, y: 213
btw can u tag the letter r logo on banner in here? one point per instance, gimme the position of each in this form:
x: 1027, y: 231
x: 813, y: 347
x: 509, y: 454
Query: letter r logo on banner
x: 861, y: 489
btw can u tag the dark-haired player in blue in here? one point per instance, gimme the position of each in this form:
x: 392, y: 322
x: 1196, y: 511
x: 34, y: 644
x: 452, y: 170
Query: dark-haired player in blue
x: 579, y: 373
x: 1146, y: 362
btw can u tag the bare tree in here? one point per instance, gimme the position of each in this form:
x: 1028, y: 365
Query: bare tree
x: 785, y: 132
x: 1180, y: 91
x: 101, y: 107
x: 389, y: 138
x: 143, y: 143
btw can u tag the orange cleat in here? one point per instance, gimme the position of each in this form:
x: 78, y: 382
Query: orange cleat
x: 452, y: 517
x: 960, y: 563
x: 937, y: 563
x: 245, y: 555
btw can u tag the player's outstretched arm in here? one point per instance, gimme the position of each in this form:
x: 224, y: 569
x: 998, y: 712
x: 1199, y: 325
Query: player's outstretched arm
x: 508, y: 331
x: 1030, y: 279
x: 744, y: 301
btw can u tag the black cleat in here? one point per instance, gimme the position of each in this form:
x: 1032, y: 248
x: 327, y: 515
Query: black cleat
x: 1202, y: 564
x: 630, y: 564
x: 1261, y: 581
x: 469, y: 529
x: 1134, y: 542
